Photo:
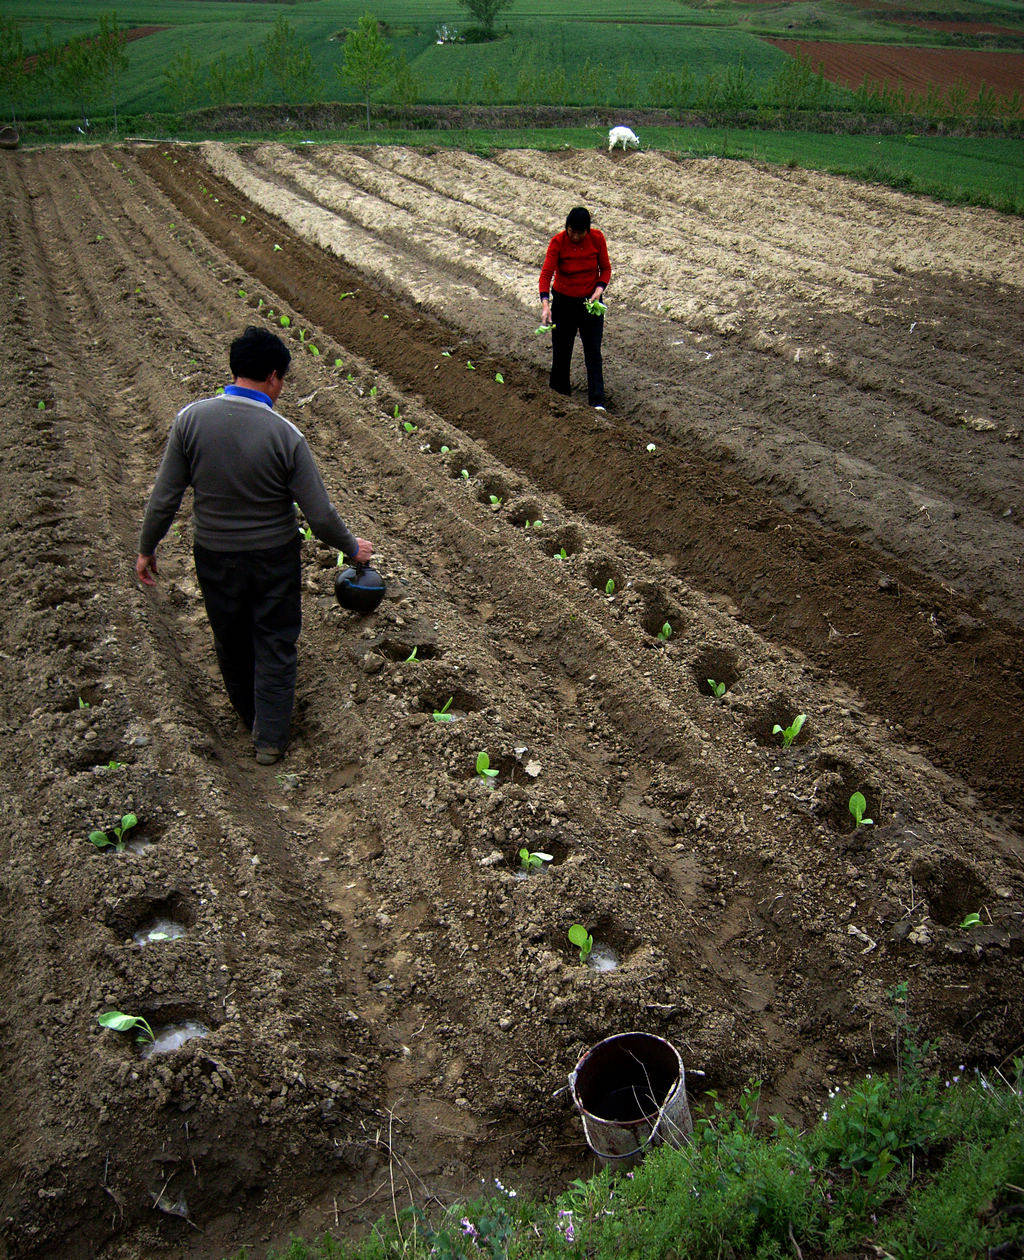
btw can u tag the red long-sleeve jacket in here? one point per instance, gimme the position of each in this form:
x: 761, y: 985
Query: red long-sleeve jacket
x: 576, y: 269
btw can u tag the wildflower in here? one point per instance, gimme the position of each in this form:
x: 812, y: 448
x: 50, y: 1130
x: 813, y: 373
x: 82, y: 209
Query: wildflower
x: 468, y: 1228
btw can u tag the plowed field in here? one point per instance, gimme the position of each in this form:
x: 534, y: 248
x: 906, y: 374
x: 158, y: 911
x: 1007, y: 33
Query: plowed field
x: 829, y: 522
x: 914, y: 70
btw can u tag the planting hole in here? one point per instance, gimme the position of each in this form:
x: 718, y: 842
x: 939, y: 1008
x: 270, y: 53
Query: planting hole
x: 436, y: 697
x: 779, y: 712
x: 660, y: 612
x: 397, y: 642
x: 719, y: 664
x: 567, y: 540
x: 526, y: 511
x: 457, y: 464
x: 601, y: 572
x: 951, y: 887
x: 833, y: 789
x: 493, y: 491
x: 145, y: 918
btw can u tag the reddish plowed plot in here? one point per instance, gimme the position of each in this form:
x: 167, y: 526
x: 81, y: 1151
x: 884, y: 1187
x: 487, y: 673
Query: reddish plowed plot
x: 913, y: 69
x: 829, y: 522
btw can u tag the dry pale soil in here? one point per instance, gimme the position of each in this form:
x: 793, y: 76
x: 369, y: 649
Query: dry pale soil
x: 830, y: 521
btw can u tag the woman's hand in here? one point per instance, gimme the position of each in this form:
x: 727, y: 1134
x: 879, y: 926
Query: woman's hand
x: 545, y: 311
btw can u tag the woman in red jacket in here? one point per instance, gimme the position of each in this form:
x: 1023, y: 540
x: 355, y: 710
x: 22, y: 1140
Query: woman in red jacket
x: 576, y: 270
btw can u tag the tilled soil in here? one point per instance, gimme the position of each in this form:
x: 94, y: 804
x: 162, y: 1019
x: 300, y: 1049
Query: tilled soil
x: 829, y: 523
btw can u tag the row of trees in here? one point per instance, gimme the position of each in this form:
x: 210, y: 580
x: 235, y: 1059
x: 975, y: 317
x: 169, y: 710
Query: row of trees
x: 283, y: 67
x: 86, y: 71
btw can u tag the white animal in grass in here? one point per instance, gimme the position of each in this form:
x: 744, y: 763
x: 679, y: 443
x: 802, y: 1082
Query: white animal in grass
x: 624, y: 137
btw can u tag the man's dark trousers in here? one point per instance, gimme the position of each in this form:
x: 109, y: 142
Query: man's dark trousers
x: 570, y: 317
x: 254, y: 603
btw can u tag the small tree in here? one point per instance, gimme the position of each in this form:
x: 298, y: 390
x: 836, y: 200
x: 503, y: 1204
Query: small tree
x: 289, y: 63
x: 485, y: 11
x: 367, y: 60
x: 111, y: 58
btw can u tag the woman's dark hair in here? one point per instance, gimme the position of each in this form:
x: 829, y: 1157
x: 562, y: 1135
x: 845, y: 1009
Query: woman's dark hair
x: 257, y: 353
x: 578, y: 219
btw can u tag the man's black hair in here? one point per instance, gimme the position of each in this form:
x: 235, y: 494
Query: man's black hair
x: 578, y: 219
x: 257, y: 353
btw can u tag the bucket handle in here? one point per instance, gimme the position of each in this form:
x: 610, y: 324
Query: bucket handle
x: 643, y: 1145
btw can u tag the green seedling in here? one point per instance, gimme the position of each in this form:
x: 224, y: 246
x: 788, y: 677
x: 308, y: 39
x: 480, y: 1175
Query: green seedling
x: 445, y: 450
x: 561, y: 554
x: 302, y: 335
x: 40, y: 406
x: 102, y: 841
x: 446, y: 354
x: 306, y: 532
x: 495, y: 501
x: 412, y: 655
x: 259, y: 304
x: 83, y: 704
x: 483, y: 767
x: 338, y: 363
x: 385, y: 317
x: 857, y: 807
x: 409, y: 427
x: 120, y: 1022
x: 972, y: 920
x: 609, y: 587
x: 285, y: 322
x: 791, y: 732
x: 351, y: 293
x: 651, y: 447
x: 665, y: 633
x: 373, y: 391
x: 442, y: 714
x: 595, y: 307
x: 717, y: 688
x: 350, y: 378
x: 242, y: 293
x: 543, y: 328
x: 395, y: 413
x: 115, y: 765
x: 581, y: 938
x: 499, y: 378
x: 464, y: 474
x: 277, y: 249
x: 469, y: 364
x: 241, y: 217
x: 533, y: 861
x: 314, y: 350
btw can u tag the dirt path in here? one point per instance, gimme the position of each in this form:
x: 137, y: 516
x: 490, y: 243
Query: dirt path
x: 383, y: 995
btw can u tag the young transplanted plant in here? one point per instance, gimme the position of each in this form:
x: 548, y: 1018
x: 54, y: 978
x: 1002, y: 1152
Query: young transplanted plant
x: 483, y: 767
x: 102, y: 841
x: 120, y: 1022
x: 533, y: 861
x: 581, y: 938
x: 857, y: 807
x: 665, y: 633
x: 792, y: 731
x: 442, y: 714
x: 717, y: 688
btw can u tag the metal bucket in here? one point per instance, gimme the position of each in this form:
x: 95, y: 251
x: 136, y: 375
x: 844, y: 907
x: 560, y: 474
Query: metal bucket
x: 630, y: 1091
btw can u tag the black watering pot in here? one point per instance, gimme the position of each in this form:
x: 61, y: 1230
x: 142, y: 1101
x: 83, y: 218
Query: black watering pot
x: 359, y: 588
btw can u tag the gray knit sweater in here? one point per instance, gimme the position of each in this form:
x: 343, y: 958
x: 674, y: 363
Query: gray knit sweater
x: 246, y: 465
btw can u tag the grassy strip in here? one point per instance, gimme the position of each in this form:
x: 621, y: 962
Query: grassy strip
x: 976, y: 170
x: 899, y: 1168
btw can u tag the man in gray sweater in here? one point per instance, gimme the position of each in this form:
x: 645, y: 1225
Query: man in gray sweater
x: 247, y: 466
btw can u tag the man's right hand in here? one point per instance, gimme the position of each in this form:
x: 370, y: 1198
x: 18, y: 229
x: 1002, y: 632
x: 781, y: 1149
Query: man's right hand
x: 363, y: 552
x: 145, y: 570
